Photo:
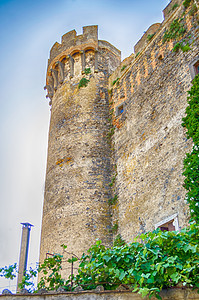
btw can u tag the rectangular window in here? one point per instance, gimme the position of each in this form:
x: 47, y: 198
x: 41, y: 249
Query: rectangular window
x: 194, y: 67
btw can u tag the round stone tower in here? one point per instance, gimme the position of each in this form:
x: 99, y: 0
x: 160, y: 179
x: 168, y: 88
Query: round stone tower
x: 76, y: 210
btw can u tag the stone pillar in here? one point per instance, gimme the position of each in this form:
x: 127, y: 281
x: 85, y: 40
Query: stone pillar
x: 61, y: 70
x: 96, y: 60
x: 83, y: 60
x: 23, y: 252
x: 55, y: 77
x: 71, y: 63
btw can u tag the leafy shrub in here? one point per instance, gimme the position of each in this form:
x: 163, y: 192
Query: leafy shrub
x: 160, y: 260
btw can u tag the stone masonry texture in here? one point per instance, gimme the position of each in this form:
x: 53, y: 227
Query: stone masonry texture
x: 150, y: 142
x: 142, y: 148
x: 174, y: 294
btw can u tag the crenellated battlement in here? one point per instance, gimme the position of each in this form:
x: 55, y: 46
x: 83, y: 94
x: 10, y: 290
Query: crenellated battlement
x: 62, y: 63
x: 71, y: 39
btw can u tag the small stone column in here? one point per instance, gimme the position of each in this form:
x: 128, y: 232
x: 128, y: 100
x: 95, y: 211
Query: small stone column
x: 55, y: 77
x: 71, y: 63
x: 23, y: 252
x: 61, y: 70
x: 96, y: 60
x: 83, y: 60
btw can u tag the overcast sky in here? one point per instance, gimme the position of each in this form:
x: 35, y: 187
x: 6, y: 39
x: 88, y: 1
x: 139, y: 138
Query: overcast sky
x: 28, y: 29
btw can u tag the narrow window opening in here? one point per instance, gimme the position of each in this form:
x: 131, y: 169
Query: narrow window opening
x: 196, y: 66
x: 168, y: 224
x: 120, y: 109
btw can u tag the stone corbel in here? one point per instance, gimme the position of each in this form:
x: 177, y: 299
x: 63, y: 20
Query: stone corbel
x: 49, y: 90
x: 83, y: 60
x: 71, y: 64
x: 55, y: 77
x: 96, y: 61
x: 61, y: 70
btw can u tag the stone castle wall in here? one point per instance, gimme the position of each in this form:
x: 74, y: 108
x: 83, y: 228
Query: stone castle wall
x: 148, y: 101
x: 149, y: 141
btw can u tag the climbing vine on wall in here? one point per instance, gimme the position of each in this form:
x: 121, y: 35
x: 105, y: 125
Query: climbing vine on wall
x: 175, y: 32
x: 177, y: 29
x: 191, y: 162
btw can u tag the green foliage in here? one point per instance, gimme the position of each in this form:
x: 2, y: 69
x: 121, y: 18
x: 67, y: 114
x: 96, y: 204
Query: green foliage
x: 160, y: 260
x: 115, y: 81
x: 51, y: 276
x: 83, y: 82
x: 187, y: 3
x: 180, y: 45
x: 193, y: 10
x: 150, y: 36
x: 191, y: 162
x: 174, y: 6
x: 113, y: 200
x: 27, y: 280
x: 87, y: 71
x: 113, y: 180
x: 9, y: 272
x: 119, y: 241
x: 176, y: 30
x: 123, y: 68
x: 110, y: 92
x: 111, y: 132
x: 114, y: 228
x: 137, y: 54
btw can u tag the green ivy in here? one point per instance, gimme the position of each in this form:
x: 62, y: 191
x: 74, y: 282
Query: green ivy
x: 150, y: 36
x: 193, y: 10
x: 176, y: 30
x: 174, y: 6
x: 113, y: 200
x: 83, y: 82
x: 182, y: 46
x: 191, y: 162
x: 116, y: 81
x: 87, y: 71
x: 123, y: 68
x: 187, y: 3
